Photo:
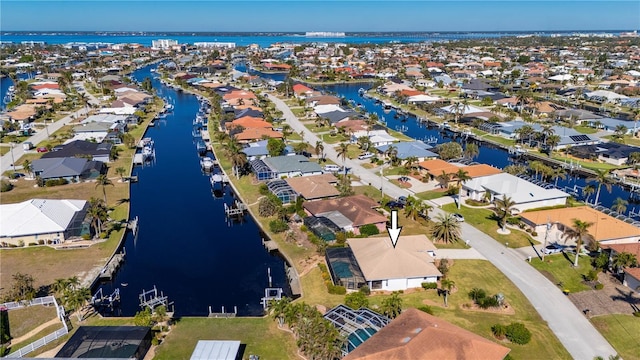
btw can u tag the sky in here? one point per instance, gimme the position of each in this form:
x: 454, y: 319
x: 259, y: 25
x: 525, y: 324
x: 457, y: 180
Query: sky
x: 312, y: 15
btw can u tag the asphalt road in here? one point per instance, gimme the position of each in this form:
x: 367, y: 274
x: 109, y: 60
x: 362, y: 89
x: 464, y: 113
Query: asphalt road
x: 567, y: 322
x: 7, y: 159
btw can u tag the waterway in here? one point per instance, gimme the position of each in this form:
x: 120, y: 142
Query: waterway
x: 184, y: 246
x: 489, y: 154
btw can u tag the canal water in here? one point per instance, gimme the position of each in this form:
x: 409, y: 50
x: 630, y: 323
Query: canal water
x: 489, y: 154
x: 184, y: 246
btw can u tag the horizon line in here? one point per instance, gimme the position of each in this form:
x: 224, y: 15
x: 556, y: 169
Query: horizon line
x: 304, y: 31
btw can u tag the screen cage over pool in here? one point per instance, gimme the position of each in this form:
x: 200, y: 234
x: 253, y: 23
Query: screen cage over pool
x: 283, y: 191
x: 262, y: 171
x: 110, y: 342
x: 344, y: 268
x: 357, y: 326
x: 322, y: 227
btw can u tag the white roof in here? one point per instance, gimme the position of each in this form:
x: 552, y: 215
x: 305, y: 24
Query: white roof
x: 379, y: 260
x: 37, y: 216
x: 610, y: 95
x: 118, y: 111
x: 323, y: 109
x: 561, y: 77
x: 216, y: 350
x: 423, y: 98
x: 469, y: 109
x: 380, y: 138
x: 519, y: 190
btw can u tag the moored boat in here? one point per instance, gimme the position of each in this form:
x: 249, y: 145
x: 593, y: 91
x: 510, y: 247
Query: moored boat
x: 207, y: 163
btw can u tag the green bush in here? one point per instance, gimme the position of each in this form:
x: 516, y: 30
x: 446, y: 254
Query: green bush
x: 5, y: 186
x: 278, y: 226
x: 477, y: 294
x: 369, y: 229
x: 356, y: 300
x: 517, y: 333
x: 365, y: 290
x: 429, y: 285
x: 56, y: 182
x: 303, y: 228
x: 427, y: 309
x: 601, y: 261
x: 513, y: 220
x: 263, y: 189
x: 488, y: 302
x: 499, y: 331
x: 86, y: 236
x: 636, y: 313
x: 592, y: 275
x: 533, y: 233
x: 599, y: 286
x: 337, y: 289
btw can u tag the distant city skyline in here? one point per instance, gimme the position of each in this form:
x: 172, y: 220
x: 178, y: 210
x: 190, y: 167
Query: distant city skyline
x: 311, y: 15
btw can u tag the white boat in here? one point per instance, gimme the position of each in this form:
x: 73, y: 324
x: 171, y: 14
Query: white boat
x: 215, y: 179
x: 207, y: 163
x: 152, y: 124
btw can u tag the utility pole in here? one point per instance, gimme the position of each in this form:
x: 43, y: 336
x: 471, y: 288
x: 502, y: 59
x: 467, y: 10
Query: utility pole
x: 546, y: 238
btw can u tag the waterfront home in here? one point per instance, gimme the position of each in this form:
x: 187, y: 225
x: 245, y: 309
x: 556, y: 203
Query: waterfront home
x: 568, y: 137
x: 435, y: 167
x: 315, y: 187
x: 301, y: 91
x: 376, y: 137
x: 605, y: 229
x: 405, y: 266
x: 217, y: 350
x: 349, y: 213
x: 610, y: 152
x: 99, y: 131
x: 408, y: 149
x: 334, y: 117
x: 69, y: 168
x: 316, y: 100
x: 524, y: 194
x: 279, y: 167
x: 254, y: 113
x: 258, y: 133
x: 631, y: 275
x: 81, y: 149
x: 632, y: 278
x: 417, y: 335
x: 42, y: 221
x: 611, y: 125
x: 249, y: 122
x: 258, y: 150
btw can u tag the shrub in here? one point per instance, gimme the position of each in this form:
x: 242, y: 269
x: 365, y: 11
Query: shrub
x: 517, y: 333
x: 369, y: 229
x: 263, y: 189
x: 56, y: 182
x: 477, y: 294
x: 32, y: 244
x: 513, y: 221
x: 427, y: 309
x: 601, y: 261
x: 487, y: 302
x: 5, y: 186
x: 533, y: 233
x: 429, y: 285
x: 599, y: 286
x: 278, y: 226
x: 636, y: 313
x: 303, y: 228
x: 86, y: 236
x: 337, y: 289
x: 356, y: 300
x: 40, y: 242
x: 592, y: 275
x: 341, y: 238
x: 499, y: 331
x: 365, y: 290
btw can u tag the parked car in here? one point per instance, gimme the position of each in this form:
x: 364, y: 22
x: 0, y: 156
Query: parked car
x: 458, y: 217
x: 552, y: 249
x: 366, y: 155
x: 393, y: 204
x: 402, y: 200
x: 42, y: 149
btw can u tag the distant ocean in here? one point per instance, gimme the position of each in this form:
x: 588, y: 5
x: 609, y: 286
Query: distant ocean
x: 262, y: 39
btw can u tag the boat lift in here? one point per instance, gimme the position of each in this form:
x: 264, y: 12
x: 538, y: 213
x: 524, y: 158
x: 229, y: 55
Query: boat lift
x: 151, y: 299
x: 98, y: 299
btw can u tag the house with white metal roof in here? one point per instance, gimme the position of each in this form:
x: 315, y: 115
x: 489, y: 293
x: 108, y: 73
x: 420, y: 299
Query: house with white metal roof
x: 51, y: 221
x: 525, y: 194
x: 411, y: 148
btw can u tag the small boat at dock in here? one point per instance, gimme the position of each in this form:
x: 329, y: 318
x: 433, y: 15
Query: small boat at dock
x: 207, y: 163
x: 201, y: 147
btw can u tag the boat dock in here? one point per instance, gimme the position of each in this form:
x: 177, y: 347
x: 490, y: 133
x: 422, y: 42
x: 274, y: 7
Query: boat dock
x: 237, y: 209
x: 223, y: 314
x: 270, y: 244
x: 112, y: 266
x: 294, y: 280
x: 151, y: 299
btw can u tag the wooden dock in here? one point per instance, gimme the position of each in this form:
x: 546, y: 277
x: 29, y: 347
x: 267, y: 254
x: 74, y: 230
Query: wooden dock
x: 270, y: 245
x: 112, y: 266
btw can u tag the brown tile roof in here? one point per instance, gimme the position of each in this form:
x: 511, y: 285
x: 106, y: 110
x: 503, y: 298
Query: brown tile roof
x: 628, y: 248
x: 357, y: 208
x: 22, y: 112
x: 379, y: 260
x: 314, y: 187
x: 244, y: 94
x: 257, y: 134
x: 604, y: 226
x: 479, y: 170
x: 301, y: 89
x: 635, y: 272
x: 417, y: 335
x: 435, y: 167
x: 248, y: 122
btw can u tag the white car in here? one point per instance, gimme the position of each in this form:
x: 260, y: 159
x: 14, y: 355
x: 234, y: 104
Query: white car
x: 366, y: 155
x: 552, y: 249
x: 458, y: 217
x: 332, y: 168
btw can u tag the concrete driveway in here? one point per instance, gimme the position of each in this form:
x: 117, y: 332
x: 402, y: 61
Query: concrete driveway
x: 568, y: 323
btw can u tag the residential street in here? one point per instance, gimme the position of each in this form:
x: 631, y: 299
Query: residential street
x: 7, y: 159
x: 569, y: 324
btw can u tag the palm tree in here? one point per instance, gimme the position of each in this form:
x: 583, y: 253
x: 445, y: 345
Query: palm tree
x: 319, y: 149
x: 446, y: 229
x: 552, y: 141
x: 461, y: 177
x: 620, y: 205
x: 523, y: 98
x: 59, y: 286
x: 392, y: 306
x: 121, y: 171
x: 410, y: 162
x: 504, y: 207
x: 26, y: 165
x: 392, y: 154
x: 559, y: 173
x: 447, y: 285
x: 412, y: 208
x: 343, y: 151
x: 471, y: 150
x: 624, y: 259
x: 103, y: 180
x: 580, y: 233
x: 97, y: 212
x: 278, y: 309
x: 587, y: 191
x: 444, y: 179
x: 602, y: 178
x: 458, y: 109
x: 75, y: 299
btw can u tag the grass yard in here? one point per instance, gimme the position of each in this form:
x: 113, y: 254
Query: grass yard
x: 559, y: 268
x: 585, y: 129
x: 334, y: 139
x: 482, y: 219
x: 430, y: 195
x: 42, y: 333
x: 468, y: 274
x: 23, y: 320
x: 585, y: 164
x: 622, y: 332
x: 260, y: 335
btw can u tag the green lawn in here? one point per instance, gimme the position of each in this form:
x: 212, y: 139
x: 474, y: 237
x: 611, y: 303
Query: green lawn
x: 483, y: 220
x: 334, y: 139
x: 622, y: 332
x: 585, y: 164
x: 468, y: 274
x: 559, y: 268
x: 23, y: 320
x: 260, y: 335
x: 42, y: 333
x: 430, y: 195
x: 585, y: 129
x: 629, y: 140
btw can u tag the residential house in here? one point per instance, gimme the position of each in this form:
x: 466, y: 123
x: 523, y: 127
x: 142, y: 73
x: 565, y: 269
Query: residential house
x: 632, y: 278
x: 258, y: 150
x: 405, y: 266
x: 605, y: 229
x: 284, y: 167
x: 82, y: 149
x: 315, y: 187
x: 524, y: 194
x: 349, y: 213
x: 377, y: 137
x: 610, y: 152
x: 417, y: 335
x: 409, y: 149
x: 46, y: 220
x: 69, y: 168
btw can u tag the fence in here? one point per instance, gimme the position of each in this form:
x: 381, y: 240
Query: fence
x: 46, y: 300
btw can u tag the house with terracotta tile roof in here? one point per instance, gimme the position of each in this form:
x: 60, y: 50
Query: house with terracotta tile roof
x: 302, y: 91
x: 605, y: 229
x: 249, y: 122
x: 417, y: 335
x: 253, y: 134
x: 348, y: 213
